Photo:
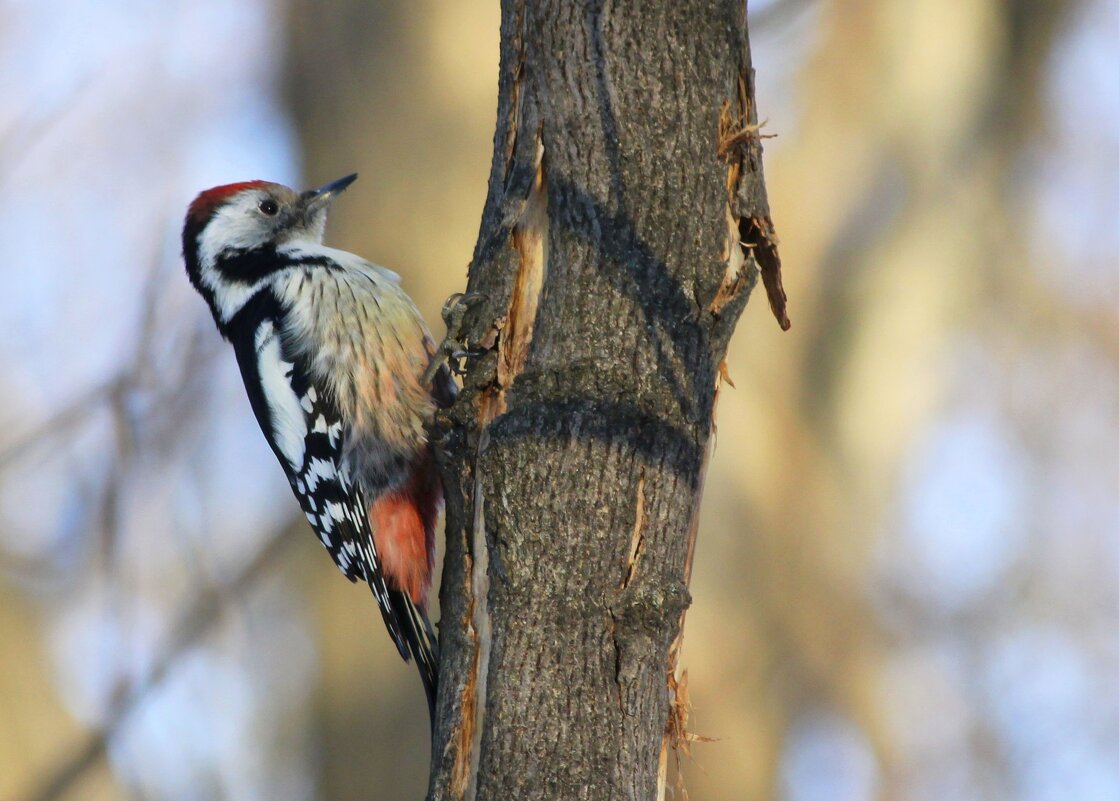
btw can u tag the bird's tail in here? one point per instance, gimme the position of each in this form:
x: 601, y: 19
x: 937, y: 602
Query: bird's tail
x: 422, y: 643
x: 403, y: 523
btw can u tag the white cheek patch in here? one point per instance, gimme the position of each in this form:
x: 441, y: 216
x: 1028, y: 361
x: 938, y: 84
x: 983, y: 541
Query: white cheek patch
x: 289, y: 426
x: 233, y: 227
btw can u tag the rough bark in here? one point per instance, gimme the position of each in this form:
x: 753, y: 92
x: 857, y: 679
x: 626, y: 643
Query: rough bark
x: 624, y: 228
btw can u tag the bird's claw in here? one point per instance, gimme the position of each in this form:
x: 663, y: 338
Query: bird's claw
x: 451, y: 350
x: 459, y: 354
x: 455, y: 308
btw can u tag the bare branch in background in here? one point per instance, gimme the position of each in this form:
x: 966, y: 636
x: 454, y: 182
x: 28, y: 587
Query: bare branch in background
x: 59, y: 424
x: 200, y: 617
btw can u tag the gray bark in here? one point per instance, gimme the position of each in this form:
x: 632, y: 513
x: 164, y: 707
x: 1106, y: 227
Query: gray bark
x: 624, y: 228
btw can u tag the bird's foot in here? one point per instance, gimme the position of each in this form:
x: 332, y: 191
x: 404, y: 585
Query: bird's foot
x: 452, y: 350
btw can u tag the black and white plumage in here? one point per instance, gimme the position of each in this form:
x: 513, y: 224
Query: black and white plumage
x: 331, y: 351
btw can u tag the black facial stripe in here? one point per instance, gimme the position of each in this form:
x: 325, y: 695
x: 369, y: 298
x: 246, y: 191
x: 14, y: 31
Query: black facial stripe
x: 248, y: 266
x: 313, y: 261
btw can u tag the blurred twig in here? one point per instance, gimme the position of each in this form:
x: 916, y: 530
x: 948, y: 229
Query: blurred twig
x: 198, y: 619
x: 60, y: 423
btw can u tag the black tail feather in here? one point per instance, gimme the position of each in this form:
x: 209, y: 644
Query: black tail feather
x: 420, y: 638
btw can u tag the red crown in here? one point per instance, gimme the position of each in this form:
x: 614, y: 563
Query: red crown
x: 204, y: 205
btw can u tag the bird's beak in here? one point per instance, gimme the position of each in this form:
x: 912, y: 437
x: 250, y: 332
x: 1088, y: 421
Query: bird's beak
x: 315, y: 199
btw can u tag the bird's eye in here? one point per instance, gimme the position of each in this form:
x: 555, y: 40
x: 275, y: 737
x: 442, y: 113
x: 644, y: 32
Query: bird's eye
x: 269, y: 206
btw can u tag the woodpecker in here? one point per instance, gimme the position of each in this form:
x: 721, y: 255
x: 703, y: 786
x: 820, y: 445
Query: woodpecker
x: 334, y: 357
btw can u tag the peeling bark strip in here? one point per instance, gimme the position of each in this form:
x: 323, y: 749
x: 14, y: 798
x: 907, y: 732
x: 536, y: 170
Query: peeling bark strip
x: 479, y: 586
x: 530, y: 240
x: 751, y: 227
x: 619, y: 243
x: 637, y: 541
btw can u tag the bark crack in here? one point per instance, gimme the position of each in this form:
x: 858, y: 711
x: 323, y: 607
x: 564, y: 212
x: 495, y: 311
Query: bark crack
x: 636, y: 551
x: 617, y: 660
x: 676, y: 736
x: 637, y: 541
x: 516, y: 90
x: 465, y: 772
x: 530, y: 241
x: 738, y: 275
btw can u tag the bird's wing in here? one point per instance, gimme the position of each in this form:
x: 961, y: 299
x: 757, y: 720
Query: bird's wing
x: 306, y: 432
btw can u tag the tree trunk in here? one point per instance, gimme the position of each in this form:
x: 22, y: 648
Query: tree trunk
x: 624, y: 228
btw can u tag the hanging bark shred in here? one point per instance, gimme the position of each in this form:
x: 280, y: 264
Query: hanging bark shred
x: 739, y: 145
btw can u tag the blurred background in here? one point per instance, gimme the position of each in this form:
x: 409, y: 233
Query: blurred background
x: 907, y: 578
